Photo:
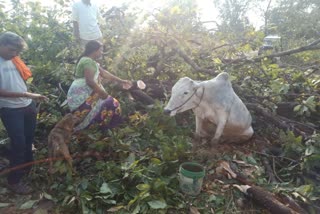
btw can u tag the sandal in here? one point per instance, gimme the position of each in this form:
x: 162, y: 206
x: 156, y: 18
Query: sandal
x: 20, y: 188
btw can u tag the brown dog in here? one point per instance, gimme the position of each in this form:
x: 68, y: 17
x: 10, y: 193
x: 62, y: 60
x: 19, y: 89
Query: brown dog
x: 59, y: 137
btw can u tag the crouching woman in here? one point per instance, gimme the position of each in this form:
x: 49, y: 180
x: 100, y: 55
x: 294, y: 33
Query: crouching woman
x: 87, y: 99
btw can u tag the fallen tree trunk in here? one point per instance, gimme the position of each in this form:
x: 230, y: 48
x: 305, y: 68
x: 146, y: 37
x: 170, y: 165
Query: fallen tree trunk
x: 312, y: 46
x: 268, y: 200
x: 260, y: 195
x: 283, y: 123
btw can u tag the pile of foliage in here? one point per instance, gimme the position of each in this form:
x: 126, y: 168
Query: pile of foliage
x: 133, y: 169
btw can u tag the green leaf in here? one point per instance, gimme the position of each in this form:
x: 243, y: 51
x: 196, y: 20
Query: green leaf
x: 29, y: 81
x: 4, y: 205
x: 157, y: 204
x: 28, y: 204
x: 217, y: 61
x: 285, y: 88
x: 47, y: 196
x: 310, y: 99
x: 304, y: 189
x: 41, y: 211
x: 311, y: 103
x: 155, y: 161
x: 131, y: 158
x: 219, y: 200
x: 84, y: 184
x: 305, y: 109
x: 297, y: 108
x: 85, y: 209
x: 87, y: 196
x: 310, y: 150
x: 115, y: 209
x: 105, y: 188
x: 133, y: 201
x: 143, y: 187
x: 212, y: 198
x: 251, y: 160
x: 136, y: 209
x: 110, y: 202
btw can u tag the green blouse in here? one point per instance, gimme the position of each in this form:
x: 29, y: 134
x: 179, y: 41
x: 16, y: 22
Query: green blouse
x: 83, y: 64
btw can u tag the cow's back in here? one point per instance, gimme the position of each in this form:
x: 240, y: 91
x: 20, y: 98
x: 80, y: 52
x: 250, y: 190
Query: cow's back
x: 220, y: 94
x: 239, y: 114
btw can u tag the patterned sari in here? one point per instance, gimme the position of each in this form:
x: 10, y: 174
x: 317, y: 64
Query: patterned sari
x: 92, y: 111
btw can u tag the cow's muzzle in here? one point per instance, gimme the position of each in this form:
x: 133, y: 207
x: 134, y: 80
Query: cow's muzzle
x: 167, y: 111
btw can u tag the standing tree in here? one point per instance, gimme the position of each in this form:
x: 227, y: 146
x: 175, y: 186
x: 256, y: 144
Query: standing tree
x: 233, y: 14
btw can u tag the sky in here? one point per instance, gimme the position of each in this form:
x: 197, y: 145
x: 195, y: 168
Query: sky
x: 206, y: 6
x: 207, y: 10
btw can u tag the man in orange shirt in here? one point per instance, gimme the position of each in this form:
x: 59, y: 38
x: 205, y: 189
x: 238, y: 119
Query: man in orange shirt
x: 17, y: 108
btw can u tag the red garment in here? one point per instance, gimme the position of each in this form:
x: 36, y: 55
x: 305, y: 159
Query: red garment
x: 25, y: 72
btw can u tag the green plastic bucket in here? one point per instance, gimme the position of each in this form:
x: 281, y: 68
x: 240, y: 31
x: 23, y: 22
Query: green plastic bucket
x: 191, y: 177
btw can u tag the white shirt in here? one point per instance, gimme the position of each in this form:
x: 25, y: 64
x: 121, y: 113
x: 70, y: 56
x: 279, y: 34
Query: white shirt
x: 11, y: 80
x: 87, y: 18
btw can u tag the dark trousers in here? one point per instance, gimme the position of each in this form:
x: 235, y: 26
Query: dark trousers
x: 20, y: 124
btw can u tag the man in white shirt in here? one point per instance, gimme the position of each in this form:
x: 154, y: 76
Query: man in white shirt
x: 85, y: 17
x: 17, y: 111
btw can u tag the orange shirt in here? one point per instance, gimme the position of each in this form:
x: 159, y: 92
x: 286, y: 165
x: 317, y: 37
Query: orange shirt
x: 22, y: 68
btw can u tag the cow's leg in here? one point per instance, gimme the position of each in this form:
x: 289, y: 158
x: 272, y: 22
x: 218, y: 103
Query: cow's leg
x: 249, y: 132
x: 199, y: 133
x: 246, y: 135
x: 199, y: 127
x: 223, y: 116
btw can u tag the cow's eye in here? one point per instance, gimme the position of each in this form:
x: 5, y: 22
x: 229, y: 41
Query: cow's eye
x: 185, y: 92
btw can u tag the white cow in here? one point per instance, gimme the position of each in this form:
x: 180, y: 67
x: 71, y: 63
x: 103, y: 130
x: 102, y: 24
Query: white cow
x: 212, y: 101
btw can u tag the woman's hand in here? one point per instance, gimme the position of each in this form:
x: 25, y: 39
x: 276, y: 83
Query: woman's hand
x: 35, y: 96
x: 126, y: 84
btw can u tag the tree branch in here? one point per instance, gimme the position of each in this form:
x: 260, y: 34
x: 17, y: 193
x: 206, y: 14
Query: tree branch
x: 188, y: 60
x: 312, y: 46
x: 282, y: 122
